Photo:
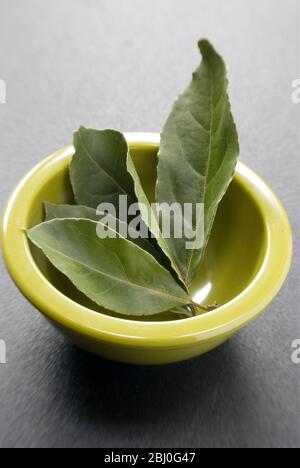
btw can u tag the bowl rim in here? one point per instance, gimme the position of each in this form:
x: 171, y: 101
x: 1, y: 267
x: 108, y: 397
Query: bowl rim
x: 72, y: 316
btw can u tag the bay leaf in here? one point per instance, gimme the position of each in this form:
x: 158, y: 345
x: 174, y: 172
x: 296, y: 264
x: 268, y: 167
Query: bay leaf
x: 149, y: 216
x: 198, y: 154
x: 98, y: 168
x: 114, y: 273
x: 121, y: 228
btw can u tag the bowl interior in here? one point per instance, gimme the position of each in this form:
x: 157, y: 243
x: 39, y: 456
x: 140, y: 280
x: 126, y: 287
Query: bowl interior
x: 234, y: 255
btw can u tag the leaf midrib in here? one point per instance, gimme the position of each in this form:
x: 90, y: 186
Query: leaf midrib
x: 208, y: 162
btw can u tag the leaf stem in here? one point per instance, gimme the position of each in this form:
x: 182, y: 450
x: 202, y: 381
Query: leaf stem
x: 207, y: 308
x: 190, y: 310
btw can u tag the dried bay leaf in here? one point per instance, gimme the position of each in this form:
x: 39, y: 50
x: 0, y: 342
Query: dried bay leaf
x: 149, y: 216
x: 114, y: 273
x: 98, y: 168
x: 198, y: 153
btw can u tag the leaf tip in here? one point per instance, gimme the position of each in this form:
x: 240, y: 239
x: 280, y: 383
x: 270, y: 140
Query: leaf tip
x: 208, y: 51
x: 28, y: 233
x: 205, y: 46
x: 77, y: 132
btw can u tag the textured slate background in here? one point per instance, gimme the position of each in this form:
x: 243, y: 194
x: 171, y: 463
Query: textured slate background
x: 121, y: 64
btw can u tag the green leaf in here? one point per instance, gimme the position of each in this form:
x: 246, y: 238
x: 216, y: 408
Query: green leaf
x: 98, y: 168
x: 198, y: 153
x: 149, y: 216
x: 83, y: 212
x: 114, y: 273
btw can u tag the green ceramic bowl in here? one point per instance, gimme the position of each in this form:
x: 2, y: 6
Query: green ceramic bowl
x: 246, y: 263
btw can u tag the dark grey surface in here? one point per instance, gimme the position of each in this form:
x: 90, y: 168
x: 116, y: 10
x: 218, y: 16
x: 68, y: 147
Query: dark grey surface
x: 121, y: 63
